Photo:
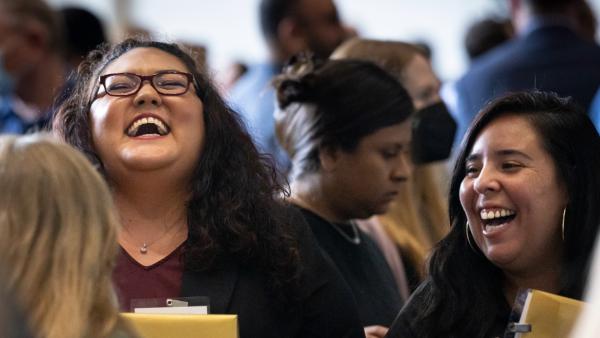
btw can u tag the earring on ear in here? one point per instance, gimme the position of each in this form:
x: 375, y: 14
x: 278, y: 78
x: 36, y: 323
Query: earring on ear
x: 468, y: 240
x: 563, y: 223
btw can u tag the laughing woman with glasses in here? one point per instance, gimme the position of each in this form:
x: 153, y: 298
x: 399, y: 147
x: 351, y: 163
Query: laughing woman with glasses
x: 197, y: 202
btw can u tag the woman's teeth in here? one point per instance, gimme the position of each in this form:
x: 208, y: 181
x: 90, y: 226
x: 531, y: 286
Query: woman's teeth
x: 494, y: 220
x: 160, y: 126
x: 492, y: 214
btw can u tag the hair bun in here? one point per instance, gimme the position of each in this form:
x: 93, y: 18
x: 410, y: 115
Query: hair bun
x: 290, y: 91
x: 296, y: 81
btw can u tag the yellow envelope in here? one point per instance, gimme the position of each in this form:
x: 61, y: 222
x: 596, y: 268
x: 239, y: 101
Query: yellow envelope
x: 550, y: 315
x: 183, y: 326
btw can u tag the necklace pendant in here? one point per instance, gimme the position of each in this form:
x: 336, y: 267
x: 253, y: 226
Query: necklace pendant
x: 144, y: 249
x: 355, y: 239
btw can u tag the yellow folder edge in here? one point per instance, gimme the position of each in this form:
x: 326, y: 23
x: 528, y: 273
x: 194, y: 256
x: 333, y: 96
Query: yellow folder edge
x: 551, y: 315
x: 183, y: 326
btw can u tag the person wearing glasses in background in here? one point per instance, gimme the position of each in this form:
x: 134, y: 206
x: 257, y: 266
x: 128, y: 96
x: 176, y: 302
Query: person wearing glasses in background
x: 197, y: 202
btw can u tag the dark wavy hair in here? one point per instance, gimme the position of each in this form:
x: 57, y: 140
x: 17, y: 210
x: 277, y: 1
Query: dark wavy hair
x: 464, y: 291
x: 334, y: 104
x: 233, y: 210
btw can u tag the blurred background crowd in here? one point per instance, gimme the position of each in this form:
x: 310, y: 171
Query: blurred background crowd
x: 381, y: 138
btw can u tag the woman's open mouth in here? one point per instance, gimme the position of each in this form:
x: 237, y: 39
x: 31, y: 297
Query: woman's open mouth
x: 147, y: 126
x: 494, y: 219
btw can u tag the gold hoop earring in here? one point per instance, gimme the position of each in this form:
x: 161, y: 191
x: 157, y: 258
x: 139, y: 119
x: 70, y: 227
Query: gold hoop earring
x: 563, y: 223
x: 468, y: 240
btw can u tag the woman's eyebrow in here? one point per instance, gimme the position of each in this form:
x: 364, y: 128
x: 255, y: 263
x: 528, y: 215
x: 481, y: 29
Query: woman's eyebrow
x: 140, y: 72
x: 473, y: 157
x: 501, y: 152
x: 512, y: 152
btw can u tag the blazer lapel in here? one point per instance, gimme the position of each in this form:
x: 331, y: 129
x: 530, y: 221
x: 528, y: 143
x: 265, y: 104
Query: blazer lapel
x: 217, y: 284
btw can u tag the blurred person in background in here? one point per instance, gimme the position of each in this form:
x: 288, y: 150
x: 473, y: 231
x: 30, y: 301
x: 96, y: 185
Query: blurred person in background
x: 197, y: 51
x: 588, y: 24
x: 346, y: 126
x: 289, y: 27
x: 425, y: 49
x: 59, y: 239
x: 586, y: 20
x: 481, y: 37
x: 83, y: 33
x: 32, y: 66
x: 548, y: 53
x: 486, y: 34
x: 416, y: 219
x: 231, y: 76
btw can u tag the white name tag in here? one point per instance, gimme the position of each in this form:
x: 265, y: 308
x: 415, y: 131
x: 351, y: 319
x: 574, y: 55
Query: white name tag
x: 176, y: 310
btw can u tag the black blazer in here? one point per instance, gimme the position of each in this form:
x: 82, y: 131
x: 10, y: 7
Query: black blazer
x: 327, y: 308
x: 405, y: 325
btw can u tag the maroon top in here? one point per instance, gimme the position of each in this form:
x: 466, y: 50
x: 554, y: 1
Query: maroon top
x: 159, y: 280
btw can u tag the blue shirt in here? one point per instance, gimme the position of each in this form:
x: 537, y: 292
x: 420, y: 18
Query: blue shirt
x: 10, y: 122
x: 548, y: 55
x: 595, y: 111
x: 254, y: 98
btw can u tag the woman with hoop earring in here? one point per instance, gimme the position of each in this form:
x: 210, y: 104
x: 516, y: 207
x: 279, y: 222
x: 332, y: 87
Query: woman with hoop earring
x: 524, y: 212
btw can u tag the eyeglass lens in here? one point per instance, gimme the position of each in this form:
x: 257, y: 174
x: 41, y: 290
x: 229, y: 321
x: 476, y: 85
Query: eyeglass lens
x: 164, y: 83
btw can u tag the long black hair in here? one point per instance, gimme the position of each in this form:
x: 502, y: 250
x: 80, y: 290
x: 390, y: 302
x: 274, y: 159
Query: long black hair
x: 464, y: 293
x: 233, y: 210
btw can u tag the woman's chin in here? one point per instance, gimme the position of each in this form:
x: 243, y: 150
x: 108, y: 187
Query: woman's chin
x: 146, y: 161
x: 503, y: 258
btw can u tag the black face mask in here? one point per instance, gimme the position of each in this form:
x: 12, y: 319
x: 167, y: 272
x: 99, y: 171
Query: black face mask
x: 433, y: 134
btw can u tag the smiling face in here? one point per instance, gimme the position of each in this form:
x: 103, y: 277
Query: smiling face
x: 363, y: 182
x: 147, y: 131
x: 513, y: 197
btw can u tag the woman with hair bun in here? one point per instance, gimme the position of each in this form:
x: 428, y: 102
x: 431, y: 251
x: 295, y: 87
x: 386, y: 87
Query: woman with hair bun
x: 417, y: 218
x: 347, y: 129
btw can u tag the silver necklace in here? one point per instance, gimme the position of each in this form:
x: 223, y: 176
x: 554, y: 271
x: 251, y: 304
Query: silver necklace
x: 355, y: 239
x: 144, y: 248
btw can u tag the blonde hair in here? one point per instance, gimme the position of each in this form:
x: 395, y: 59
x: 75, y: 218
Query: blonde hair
x: 393, y: 56
x: 417, y: 219
x: 59, y: 238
